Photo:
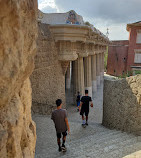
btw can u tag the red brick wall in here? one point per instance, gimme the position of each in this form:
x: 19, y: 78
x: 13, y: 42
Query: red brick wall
x: 117, y: 60
x: 120, y: 42
x: 132, y: 46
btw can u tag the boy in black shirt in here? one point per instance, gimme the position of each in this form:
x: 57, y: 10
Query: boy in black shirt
x: 84, y: 107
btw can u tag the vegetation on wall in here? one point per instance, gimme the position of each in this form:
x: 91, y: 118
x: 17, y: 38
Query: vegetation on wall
x: 137, y: 72
x: 130, y: 73
x: 87, y: 23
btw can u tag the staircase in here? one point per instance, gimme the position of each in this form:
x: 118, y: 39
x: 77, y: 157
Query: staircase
x: 95, y: 141
x: 104, y: 144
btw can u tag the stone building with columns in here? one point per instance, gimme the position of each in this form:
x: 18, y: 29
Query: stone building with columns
x: 70, y: 58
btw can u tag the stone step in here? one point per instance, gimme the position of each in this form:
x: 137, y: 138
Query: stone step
x: 109, y: 144
x: 111, y: 148
x: 129, y: 151
x: 97, y: 144
x: 100, y: 136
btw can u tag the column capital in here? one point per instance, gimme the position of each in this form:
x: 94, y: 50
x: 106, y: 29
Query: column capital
x: 64, y: 65
x: 66, y: 51
x: 83, y: 52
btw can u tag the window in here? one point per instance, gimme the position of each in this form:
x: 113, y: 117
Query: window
x: 137, y: 58
x: 138, y: 40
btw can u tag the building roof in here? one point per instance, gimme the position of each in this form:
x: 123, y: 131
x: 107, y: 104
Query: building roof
x: 68, y: 18
x: 136, y: 24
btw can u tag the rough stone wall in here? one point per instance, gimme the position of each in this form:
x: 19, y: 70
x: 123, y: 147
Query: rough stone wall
x: 122, y: 104
x: 48, y: 81
x: 18, y: 32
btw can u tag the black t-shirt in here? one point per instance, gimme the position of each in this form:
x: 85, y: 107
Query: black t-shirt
x: 85, y: 100
x: 78, y: 98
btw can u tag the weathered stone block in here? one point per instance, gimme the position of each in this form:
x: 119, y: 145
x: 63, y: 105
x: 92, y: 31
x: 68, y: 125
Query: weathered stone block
x: 18, y: 32
x: 122, y: 104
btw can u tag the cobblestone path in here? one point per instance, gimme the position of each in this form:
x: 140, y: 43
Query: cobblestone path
x: 94, y: 141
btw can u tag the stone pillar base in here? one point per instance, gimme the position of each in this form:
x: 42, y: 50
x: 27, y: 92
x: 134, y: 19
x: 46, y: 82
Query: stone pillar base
x: 98, y: 80
x: 94, y: 86
x: 90, y: 90
x: 101, y: 76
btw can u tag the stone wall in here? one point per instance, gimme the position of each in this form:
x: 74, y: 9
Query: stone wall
x: 122, y: 104
x: 18, y: 32
x: 48, y: 81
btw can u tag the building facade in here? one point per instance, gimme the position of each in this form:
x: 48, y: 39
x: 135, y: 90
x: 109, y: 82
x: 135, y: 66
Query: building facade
x: 70, y: 58
x: 125, y: 56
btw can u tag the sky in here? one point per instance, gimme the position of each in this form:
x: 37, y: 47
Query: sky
x: 103, y: 14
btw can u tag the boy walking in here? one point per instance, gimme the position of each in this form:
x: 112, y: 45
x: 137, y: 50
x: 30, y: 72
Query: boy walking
x: 78, y: 100
x: 84, y: 107
x: 59, y: 117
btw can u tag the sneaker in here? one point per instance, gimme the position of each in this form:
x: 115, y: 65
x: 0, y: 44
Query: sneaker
x: 60, y: 149
x: 64, y: 149
x: 86, y: 124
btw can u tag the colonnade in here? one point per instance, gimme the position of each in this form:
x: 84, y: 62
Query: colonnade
x: 86, y: 73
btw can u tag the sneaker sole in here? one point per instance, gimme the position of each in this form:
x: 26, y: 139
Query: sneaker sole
x: 84, y: 126
x: 64, y: 149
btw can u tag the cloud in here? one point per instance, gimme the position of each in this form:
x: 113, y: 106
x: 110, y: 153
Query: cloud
x: 117, y: 11
x: 47, y: 6
x: 49, y: 9
x: 114, y: 14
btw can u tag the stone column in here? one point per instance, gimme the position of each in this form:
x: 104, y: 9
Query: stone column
x: 75, y: 76
x: 94, y: 84
x: 68, y: 77
x: 87, y: 74
x: 101, y: 67
x: 80, y: 75
x: 98, y: 69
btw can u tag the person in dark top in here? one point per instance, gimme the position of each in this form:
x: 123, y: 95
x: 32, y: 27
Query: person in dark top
x: 78, y: 100
x: 84, y: 107
x: 59, y: 117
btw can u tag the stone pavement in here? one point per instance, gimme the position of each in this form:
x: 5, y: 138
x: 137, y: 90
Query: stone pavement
x: 94, y: 141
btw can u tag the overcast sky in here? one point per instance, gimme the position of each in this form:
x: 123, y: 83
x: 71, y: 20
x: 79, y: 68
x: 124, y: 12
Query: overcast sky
x: 103, y: 14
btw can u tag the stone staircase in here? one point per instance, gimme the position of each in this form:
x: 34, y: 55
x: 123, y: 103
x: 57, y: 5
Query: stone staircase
x: 104, y: 144
x: 96, y: 141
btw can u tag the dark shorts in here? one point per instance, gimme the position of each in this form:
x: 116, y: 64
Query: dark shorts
x: 84, y: 111
x: 60, y: 134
